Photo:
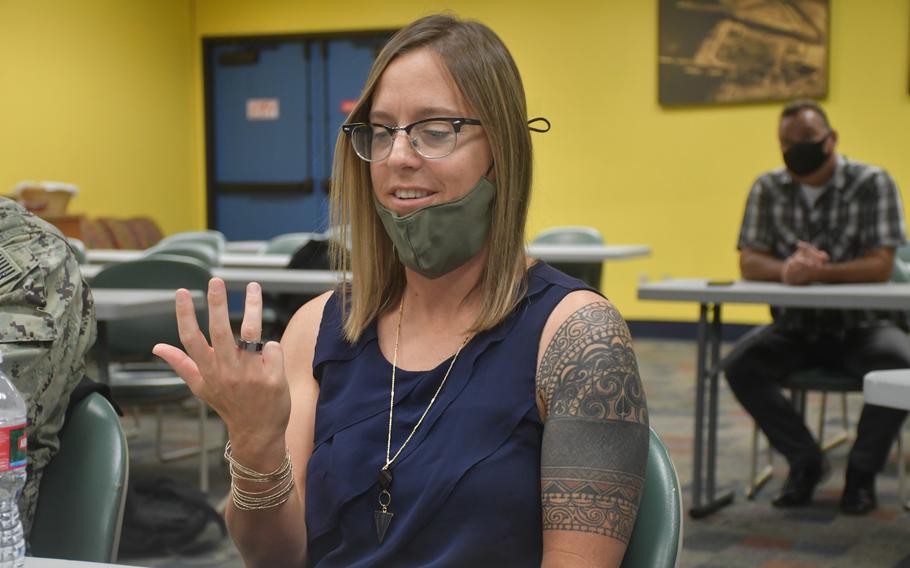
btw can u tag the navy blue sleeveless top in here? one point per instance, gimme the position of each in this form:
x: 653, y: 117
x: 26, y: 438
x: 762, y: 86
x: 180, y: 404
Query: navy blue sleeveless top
x: 466, y: 489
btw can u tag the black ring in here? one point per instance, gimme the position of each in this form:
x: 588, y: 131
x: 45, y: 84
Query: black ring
x: 251, y: 346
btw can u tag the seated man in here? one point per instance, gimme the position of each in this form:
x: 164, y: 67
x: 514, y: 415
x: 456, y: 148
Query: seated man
x: 824, y: 218
x: 47, y: 324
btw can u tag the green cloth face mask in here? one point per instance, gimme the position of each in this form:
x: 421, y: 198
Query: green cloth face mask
x: 438, y: 238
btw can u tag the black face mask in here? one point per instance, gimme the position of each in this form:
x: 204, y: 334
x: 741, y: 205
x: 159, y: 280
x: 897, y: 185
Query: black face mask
x: 806, y: 157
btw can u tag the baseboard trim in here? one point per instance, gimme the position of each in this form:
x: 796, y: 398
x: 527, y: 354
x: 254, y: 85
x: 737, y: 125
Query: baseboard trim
x: 650, y: 329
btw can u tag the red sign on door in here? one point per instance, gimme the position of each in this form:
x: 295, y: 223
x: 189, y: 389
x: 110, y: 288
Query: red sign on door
x: 347, y: 105
x: 262, y: 109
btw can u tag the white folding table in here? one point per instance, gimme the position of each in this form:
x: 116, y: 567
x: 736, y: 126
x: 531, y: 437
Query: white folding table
x: 283, y: 281
x: 33, y: 562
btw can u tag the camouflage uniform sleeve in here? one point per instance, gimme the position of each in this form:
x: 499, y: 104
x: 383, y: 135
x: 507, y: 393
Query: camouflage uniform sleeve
x: 47, y: 326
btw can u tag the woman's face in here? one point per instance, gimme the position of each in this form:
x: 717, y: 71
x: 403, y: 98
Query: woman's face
x: 413, y: 87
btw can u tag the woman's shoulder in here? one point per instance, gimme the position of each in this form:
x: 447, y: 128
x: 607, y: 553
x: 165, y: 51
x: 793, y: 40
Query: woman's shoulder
x: 576, y: 300
x: 582, y: 317
x: 582, y: 309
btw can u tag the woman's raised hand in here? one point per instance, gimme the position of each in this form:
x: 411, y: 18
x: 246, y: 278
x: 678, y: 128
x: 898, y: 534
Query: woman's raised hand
x: 246, y: 388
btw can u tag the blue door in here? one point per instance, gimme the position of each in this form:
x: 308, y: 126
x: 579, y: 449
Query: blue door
x: 274, y: 108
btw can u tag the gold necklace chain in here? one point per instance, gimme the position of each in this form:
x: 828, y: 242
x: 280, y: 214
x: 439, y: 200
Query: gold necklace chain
x: 388, y: 447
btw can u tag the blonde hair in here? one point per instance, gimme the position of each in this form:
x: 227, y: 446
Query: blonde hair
x: 488, y: 79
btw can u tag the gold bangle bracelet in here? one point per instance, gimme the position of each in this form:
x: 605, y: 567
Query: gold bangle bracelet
x: 240, y: 471
x: 259, y: 500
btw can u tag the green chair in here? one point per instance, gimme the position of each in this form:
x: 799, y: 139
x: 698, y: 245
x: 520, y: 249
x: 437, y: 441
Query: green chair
x: 83, y: 491
x: 136, y: 382
x: 206, y: 253
x: 78, y: 249
x: 134, y: 338
x: 589, y: 272
x: 657, y: 537
x: 903, y: 253
x: 213, y: 238
x: 287, y: 243
x: 901, y: 271
x: 823, y: 381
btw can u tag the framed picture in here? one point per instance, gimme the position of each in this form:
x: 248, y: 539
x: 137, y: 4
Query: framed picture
x: 734, y: 51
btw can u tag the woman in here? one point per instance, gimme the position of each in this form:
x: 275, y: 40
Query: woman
x: 457, y: 405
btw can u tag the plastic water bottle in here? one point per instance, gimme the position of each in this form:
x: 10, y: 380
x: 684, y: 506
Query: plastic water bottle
x: 13, y: 446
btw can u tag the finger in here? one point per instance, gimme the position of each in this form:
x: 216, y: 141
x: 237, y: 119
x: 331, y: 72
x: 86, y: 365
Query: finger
x: 219, y: 321
x: 273, y: 360
x: 806, y: 245
x: 814, y: 251
x: 807, y: 252
x: 182, y: 364
x: 251, y: 327
x: 188, y: 328
x: 806, y: 249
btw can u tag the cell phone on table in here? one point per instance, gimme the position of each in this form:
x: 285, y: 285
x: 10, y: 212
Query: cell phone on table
x: 720, y: 282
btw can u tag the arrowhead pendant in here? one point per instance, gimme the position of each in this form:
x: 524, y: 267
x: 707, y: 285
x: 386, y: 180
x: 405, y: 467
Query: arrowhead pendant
x: 383, y: 519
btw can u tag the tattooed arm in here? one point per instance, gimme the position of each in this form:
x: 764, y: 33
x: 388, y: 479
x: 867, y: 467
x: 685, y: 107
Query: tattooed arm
x: 595, y: 441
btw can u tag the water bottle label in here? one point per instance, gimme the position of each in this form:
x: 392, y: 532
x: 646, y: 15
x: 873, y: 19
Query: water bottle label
x: 13, y: 447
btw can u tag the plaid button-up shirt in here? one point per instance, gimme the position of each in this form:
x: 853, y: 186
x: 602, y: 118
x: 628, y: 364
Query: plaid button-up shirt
x: 859, y: 210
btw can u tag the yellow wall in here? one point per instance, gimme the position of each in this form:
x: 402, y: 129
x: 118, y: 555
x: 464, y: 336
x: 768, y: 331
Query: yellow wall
x: 108, y: 94
x: 674, y: 179
x: 100, y: 93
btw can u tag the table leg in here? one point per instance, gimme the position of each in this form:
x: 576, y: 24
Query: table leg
x: 707, y: 379
x: 713, y: 374
x: 102, y: 353
x: 698, y: 451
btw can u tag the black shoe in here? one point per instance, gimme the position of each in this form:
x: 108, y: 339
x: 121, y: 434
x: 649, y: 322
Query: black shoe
x: 859, y: 493
x: 800, y: 484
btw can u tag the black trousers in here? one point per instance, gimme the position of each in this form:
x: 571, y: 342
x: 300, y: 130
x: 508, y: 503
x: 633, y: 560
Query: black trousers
x: 761, y: 361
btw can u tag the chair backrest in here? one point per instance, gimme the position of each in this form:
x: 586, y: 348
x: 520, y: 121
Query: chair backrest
x: 821, y: 379
x: 588, y: 272
x: 657, y: 536
x: 333, y: 233
x: 78, y: 249
x: 135, y: 337
x: 570, y: 235
x: 903, y: 253
x: 204, y: 252
x: 901, y: 271
x: 214, y: 238
x: 288, y: 243
x: 83, y: 491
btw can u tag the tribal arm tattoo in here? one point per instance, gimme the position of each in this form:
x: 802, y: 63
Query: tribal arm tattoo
x: 595, y: 442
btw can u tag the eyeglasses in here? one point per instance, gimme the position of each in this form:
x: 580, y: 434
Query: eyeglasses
x: 432, y: 138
